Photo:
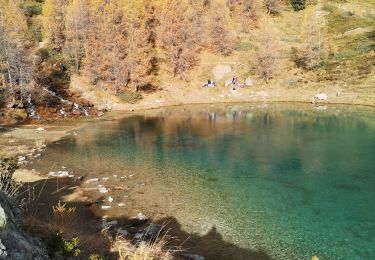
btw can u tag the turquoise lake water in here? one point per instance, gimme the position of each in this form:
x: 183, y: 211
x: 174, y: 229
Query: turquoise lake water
x: 292, y: 181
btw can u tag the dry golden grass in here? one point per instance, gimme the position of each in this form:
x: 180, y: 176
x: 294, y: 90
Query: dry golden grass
x: 144, y: 250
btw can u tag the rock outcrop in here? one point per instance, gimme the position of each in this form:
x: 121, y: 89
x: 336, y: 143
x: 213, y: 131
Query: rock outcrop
x: 15, y: 244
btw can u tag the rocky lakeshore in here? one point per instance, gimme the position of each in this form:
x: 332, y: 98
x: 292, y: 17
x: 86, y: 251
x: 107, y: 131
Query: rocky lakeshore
x: 63, y: 187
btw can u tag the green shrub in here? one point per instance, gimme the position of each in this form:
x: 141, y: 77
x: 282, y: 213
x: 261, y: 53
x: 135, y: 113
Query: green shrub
x: 32, y: 8
x: 131, y: 97
x: 36, y: 32
x: 298, y: 5
x: 57, y: 244
x: 95, y: 257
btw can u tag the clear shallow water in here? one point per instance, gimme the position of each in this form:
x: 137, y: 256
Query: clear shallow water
x: 291, y: 181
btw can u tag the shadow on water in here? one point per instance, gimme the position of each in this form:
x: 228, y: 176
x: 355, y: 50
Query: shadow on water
x: 39, y: 220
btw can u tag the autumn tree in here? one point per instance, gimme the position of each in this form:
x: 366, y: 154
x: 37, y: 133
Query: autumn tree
x: 54, y: 22
x: 15, y: 61
x: 177, y: 37
x: 76, y: 30
x: 247, y: 12
x: 220, y: 38
x: 106, y: 45
x: 273, y: 6
x: 265, y: 59
x: 312, y: 51
x: 140, y: 43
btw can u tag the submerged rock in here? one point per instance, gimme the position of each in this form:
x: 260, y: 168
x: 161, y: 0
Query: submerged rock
x: 123, y: 232
x: 193, y: 257
x: 153, y: 230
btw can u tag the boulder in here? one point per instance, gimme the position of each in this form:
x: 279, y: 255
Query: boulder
x: 15, y: 244
x: 249, y: 82
x: 321, y: 96
x: 220, y: 71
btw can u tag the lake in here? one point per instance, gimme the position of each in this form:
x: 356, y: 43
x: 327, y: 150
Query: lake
x: 292, y: 181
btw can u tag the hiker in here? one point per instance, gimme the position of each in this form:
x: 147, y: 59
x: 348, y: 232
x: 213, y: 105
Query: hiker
x: 209, y: 83
x: 234, y: 80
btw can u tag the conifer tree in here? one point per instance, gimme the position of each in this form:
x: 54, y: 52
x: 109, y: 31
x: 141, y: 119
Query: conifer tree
x: 177, y: 36
x: 220, y: 38
x: 15, y: 61
x: 265, y: 58
x: 76, y: 30
x: 54, y: 22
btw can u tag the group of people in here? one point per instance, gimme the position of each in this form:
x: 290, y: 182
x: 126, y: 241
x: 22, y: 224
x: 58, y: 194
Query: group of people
x: 235, y: 82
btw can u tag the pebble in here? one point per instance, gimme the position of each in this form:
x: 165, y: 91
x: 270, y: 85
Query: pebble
x: 103, y: 190
x: 121, y: 204
x: 60, y: 174
x: 92, y: 180
x: 40, y: 129
x: 105, y: 179
x: 141, y: 217
x: 105, y: 207
x: 115, y: 176
x: 110, y: 199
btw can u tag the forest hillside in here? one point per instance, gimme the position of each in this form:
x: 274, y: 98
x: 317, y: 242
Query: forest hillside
x: 64, y: 56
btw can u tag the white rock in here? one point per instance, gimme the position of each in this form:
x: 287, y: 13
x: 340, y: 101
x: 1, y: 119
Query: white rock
x: 105, y: 179
x: 103, y: 190
x: 321, y: 96
x: 110, y: 199
x: 59, y: 174
x: 249, y: 82
x: 121, y: 204
x: 105, y: 207
x: 140, y: 217
x: 40, y: 129
x: 92, y: 180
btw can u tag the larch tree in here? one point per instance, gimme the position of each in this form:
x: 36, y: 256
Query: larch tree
x: 247, y: 12
x: 16, y: 65
x: 105, y: 47
x: 54, y: 22
x: 265, y: 57
x: 76, y: 30
x: 177, y: 37
x: 140, y: 43
x: 221, y: 40
x: 313, y: 51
